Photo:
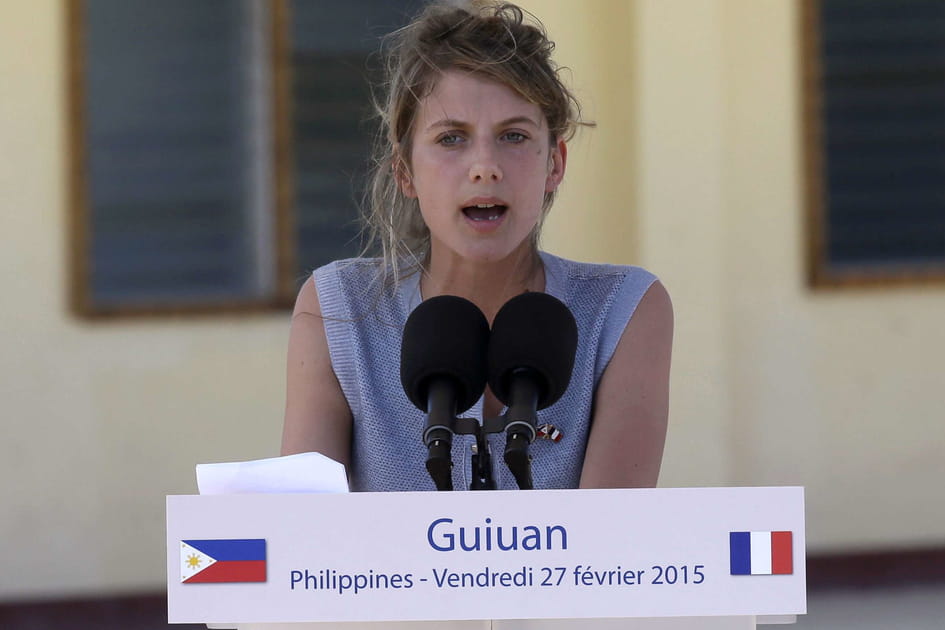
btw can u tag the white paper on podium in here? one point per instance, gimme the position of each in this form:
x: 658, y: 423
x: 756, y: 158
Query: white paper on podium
x: 305, y: 472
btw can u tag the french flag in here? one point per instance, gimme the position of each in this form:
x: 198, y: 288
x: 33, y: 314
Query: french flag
x: 233, y: 560
x: 761, y: 553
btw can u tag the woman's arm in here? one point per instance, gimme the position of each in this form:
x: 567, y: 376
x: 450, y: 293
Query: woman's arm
x: 631, y: 407
x: 317, y: 416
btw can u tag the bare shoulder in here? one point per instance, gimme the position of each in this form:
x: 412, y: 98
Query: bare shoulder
x: 317, y: 416
x: 628, y: 430
x: 646, y: 343
x: 655, y: 307
x: 306, y: 302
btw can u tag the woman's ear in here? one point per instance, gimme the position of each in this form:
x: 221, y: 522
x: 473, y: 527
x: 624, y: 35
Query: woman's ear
x: 402, y: 175
x: 557, y: 162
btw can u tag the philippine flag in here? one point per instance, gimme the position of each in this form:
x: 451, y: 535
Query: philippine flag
x: 241, y: 560
x: 761, y: 553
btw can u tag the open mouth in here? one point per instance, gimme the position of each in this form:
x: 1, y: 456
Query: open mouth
x: 484, y: 211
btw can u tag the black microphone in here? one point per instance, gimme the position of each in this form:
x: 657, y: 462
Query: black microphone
x: 530, y: 359
x: 443, y: 371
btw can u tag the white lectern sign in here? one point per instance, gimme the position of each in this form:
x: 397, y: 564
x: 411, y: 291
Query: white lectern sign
x: 486, y: 555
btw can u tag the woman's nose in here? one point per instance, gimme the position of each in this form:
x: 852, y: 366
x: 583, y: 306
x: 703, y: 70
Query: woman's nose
x: 485, y: 166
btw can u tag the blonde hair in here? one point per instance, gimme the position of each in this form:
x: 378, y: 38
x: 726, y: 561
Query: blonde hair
x: 489, y: 39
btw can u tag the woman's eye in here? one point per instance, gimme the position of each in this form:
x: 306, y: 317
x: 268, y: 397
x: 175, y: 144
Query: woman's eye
x: 515, y: 137
x: 449, y: 139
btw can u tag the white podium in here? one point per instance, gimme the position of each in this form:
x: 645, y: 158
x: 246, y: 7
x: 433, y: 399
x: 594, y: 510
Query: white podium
x: 707, y: 558
x: 651, y: 623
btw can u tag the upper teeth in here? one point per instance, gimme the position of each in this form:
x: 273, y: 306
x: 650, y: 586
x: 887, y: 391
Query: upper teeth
x: 485, y: 205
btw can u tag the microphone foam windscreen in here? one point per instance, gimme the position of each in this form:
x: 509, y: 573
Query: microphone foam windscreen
x: 446, y: 336
x: 535, y: 331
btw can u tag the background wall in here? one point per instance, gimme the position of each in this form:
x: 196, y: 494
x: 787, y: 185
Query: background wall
x: 693, y: 172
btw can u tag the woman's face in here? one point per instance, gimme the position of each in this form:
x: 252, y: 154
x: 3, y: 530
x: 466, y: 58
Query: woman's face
x: 481, y: 164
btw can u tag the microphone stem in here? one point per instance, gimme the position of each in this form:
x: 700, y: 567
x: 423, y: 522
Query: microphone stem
x: 438, y: 436
x: 482, y: 464
x: 520, y: 420
x: 523, y: 399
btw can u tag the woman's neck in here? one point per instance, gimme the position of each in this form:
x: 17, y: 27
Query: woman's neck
x: 487, y: 285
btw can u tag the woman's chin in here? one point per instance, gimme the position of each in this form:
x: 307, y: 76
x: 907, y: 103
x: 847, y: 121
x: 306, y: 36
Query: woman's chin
x: 490, y: 253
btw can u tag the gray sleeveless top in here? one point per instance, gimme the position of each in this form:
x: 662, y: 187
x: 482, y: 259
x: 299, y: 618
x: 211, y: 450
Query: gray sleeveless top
x: 364, y: 325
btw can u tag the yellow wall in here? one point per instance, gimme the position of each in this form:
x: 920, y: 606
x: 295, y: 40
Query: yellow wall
x: 100, y: 420
x: 693, y: 172
x: 593, y: 218
x: 772, y: 383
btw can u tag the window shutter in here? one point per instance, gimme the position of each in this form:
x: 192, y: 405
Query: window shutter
x: 883, y: 68
x: 168, y: 162
x: 332, y: 127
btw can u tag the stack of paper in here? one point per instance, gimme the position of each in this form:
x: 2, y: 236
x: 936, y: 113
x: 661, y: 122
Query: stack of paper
x: 305, y: 472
